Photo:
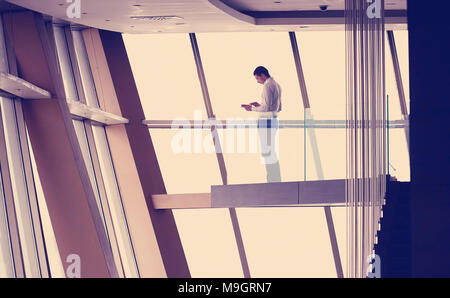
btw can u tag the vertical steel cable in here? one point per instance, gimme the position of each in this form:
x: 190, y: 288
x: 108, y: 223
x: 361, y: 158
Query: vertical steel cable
x: 365, y: 130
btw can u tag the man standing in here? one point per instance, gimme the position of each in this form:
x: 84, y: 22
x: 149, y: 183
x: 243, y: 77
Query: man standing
x: 267, y: 121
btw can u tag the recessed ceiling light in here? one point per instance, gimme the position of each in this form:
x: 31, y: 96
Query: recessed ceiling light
x: 156, y: 18
x: 304, y: 26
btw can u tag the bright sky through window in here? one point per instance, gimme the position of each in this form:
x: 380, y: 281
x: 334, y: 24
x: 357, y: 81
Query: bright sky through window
x: 281, y: 242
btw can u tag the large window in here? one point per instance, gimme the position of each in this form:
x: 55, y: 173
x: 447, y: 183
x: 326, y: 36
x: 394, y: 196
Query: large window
x: 322, y: 54
x: 6, y: 262
x: 95, y: 150
x: 208, y: 242
x: 291, y: 242
x: 23, y: 251
x: 283, y: 242
x: 278, y: 241
x: 168, y: 83
x: 398, y: 146
x: 55, y: 262
x: 185, y: 168
x: 229, y: 60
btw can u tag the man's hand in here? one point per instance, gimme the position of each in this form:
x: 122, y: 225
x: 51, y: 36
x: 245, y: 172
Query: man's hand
x: 256, y: 104
x: 247, y: 107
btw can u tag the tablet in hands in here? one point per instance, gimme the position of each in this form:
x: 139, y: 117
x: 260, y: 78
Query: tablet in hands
x: 247, y: 107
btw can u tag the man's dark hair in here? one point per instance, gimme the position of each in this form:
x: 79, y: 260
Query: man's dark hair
x: 261, y: 70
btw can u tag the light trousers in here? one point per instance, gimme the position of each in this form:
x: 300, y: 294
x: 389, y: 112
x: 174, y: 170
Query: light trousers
x: 267, y: 129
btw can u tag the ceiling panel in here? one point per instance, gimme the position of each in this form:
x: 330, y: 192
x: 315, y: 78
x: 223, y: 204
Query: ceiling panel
x: 194, y: 15
x: 292, y: 5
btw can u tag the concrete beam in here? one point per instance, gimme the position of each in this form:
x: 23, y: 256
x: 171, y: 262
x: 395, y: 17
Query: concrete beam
x: 84, y: 111
x: 21, y: 88
x: 296, y: 193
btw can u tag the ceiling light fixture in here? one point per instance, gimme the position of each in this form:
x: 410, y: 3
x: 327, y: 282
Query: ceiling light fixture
x: 156, y: 18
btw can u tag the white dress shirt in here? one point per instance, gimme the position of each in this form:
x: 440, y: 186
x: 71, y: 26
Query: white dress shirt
x: 270, y: 99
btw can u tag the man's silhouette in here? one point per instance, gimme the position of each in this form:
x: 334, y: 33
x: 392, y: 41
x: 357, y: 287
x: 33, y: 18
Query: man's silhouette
x: 267, y: 121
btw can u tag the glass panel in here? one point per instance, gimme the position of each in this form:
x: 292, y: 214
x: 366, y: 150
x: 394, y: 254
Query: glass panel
x: 242, y: 155
x: 309, y: 162
x: 401, y: 42
x: 332, y: 152
x: 82, y: 139
x: 53, y: 256
x: 166, y: 76
x: 6, y: 262
x: 208, y: 242
x: 115, y: 203
x: 340, y: 226
x: 104, y: 181
x: 399, y: 166
x: 85, y: 70
x: 65, y: 64
x: 286, y: 242
x: 229, y: 60
x: 102, y: 204
x: 323, y: 61
x: 291, y: 154
x: 187, y: 171
x: 243, y: 160
x: 20, y: 190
